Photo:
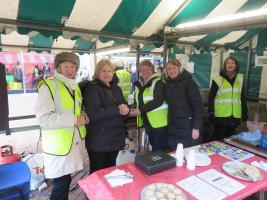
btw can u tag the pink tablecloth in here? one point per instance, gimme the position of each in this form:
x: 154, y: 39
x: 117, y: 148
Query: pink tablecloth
x: 97, y: 188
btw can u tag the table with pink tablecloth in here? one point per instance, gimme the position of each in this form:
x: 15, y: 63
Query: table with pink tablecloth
x: 96, y: 186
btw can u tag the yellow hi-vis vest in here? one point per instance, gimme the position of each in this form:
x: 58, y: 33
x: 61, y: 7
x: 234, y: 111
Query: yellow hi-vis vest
x: 228, y: 99
x: 157, y: 117
x: 58, y: 141
x: 124, y: 82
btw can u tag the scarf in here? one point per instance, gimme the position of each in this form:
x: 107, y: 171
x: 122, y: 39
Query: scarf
x: 70, y: 83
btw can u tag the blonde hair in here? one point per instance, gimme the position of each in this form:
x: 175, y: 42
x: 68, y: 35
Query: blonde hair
x: 174, y: 62
x: 100, y: 65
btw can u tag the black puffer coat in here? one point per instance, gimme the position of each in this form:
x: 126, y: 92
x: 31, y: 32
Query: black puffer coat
x: 185, y: 109
x: 106, y: 131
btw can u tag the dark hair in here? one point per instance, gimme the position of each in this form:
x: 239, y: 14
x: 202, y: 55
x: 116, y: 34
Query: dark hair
x: 174, y: 62
x: 231, y: 58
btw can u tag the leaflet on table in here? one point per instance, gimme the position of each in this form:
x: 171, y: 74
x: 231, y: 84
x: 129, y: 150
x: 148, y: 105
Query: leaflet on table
x: 236, y: 154
x: 213, y: 147
x: 200, y: 189
x: 221, y: 181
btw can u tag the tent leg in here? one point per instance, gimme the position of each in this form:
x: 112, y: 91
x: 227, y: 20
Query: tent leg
x: 165, y: 49
x: 248, y: 67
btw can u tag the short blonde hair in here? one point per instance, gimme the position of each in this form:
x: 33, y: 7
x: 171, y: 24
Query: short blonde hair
x: 147, y: 63
x: 174, y: 62
x: 100, y: 65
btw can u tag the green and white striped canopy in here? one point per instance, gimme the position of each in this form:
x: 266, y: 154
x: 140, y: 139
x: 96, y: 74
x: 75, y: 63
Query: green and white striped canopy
x: 69, y: 22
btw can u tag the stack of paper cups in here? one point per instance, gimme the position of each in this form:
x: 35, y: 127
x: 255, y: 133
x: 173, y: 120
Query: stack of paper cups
x: 191, y: 160
x: 179, y: 155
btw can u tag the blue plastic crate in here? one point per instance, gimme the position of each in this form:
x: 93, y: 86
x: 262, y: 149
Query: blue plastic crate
x: 15, y: 181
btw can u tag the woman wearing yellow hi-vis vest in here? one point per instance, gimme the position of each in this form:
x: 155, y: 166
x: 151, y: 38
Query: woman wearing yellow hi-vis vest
x: 151, y: 108
x: 227, y: 102
x: 62, y: 123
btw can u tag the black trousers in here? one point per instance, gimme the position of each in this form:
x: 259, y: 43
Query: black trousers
x: 223, y: 131
x: 157, y: 138
x: 61, y: 187
x: 101, y: 160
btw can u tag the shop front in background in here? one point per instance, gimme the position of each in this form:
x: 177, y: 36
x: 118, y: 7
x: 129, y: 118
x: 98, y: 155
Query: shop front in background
x: 24, y: 69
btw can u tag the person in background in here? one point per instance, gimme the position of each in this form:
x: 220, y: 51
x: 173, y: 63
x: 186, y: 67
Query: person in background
x: 227, y: 102
x: 151, y: 109
x: 62, y: 121
x: 46, y: 70
x: 134, y: 78
x: 160, y: 70
x: 123, y: 77
x: 185, y: 106
x: 18, y: 72
x: 36, y: 74
x: 106, y: 108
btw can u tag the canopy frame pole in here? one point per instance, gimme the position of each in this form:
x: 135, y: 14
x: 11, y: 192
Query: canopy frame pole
x: 221, y: 57
x: 94, y: 52
x: 137, y: 58
x: 165, y: 50
x: 44, y: 48
x: 62, y: 28
x: 23, y: 72
x: 248, y: 67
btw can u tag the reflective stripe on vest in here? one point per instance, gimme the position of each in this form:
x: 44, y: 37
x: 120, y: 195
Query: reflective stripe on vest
x: 124, y: 82
x: 228, y: 99
x: 157, y: 117
x: 58, y: 141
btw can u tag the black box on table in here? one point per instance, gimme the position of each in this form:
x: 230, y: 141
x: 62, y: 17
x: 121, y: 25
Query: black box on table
x: 155, y: 162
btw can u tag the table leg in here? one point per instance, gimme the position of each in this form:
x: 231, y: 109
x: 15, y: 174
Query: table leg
x: 131, y: 134
x: 262, y: 195
x: 138, y: 144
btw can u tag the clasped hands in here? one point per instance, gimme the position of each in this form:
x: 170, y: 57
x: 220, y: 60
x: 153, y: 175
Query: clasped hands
x: 135, y: 112
x: 123, y: 109
x: 81, y: 120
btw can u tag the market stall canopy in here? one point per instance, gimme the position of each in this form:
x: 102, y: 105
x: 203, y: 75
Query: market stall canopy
x: 110, y: 22
x: 223, y: 33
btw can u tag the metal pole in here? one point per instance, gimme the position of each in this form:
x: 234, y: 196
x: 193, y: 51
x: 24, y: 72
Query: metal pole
x: 137, y: 58
x: 165, y: 50
x: 44, y: 48
x: 62, y: 28
x: 221, y: 58
x: 23, y: 72
x: 262, y: 195
x: 248, y: 66
x: 94, y: 50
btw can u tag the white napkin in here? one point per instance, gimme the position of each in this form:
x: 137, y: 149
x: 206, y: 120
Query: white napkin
x: 262, y: 165
x: 119, y: 180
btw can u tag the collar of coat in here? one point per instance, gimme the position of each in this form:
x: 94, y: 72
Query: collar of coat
x: 112, y: 83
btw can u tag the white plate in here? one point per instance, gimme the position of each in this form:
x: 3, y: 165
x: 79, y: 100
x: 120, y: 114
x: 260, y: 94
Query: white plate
x: 163, y: 190
x: 233, y: 168
x: 201, y: 160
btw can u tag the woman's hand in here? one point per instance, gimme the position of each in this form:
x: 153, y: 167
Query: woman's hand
x: 135, y: 112
x: 195, y: 134
x: 81, y: 120
x: 123, y: 109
